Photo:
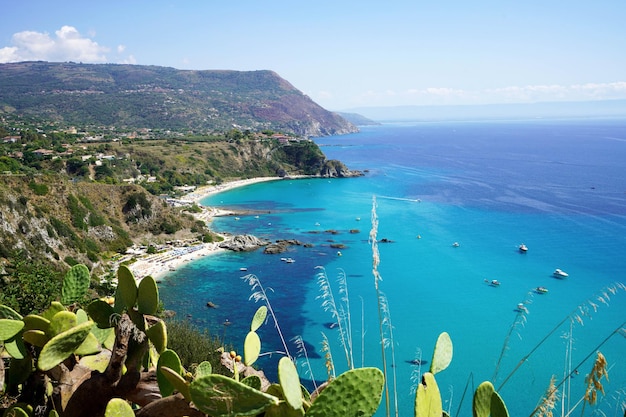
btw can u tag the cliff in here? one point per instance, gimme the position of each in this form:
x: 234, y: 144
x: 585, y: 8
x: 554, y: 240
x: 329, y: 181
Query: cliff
x: 138, y: 96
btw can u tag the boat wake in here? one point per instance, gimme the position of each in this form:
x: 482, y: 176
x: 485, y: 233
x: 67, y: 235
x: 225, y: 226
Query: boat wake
x: 412, y: 200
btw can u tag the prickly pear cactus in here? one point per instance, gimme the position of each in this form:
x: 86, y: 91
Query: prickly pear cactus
x: 290, y: 382
x: 7, y: 312
x: 354, y: 393
x: 481, y: 405
x: 75, y: 284
x: 258, y: 319
x: 9, y: 328
x: 428, y: 398
x: 102, y: 313
x: 126, y: 294
x: 157, y: 333
x: 220, y: 396
x: 148, y: 296
x: 498, y: 408
x: 118, y: 408
x: 251, y: 348
x: 62, y: 346
x: 168, y: 359
x: 203, y: 369
x: 177, y: 381
x: 442, y: 355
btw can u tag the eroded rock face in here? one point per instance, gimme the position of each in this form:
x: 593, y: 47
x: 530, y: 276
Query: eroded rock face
x: 336, y: 169
x: 243, y: 243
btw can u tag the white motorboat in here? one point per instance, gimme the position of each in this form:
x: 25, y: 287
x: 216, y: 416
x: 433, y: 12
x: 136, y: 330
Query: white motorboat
x: 560, y: 274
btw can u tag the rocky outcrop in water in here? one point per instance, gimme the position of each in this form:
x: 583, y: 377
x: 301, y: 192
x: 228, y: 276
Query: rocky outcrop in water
x: 336, y: 169
x: 243, y: 243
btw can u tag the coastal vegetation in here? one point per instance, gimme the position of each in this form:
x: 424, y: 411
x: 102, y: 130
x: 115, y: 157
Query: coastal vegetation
x: 78, y: 347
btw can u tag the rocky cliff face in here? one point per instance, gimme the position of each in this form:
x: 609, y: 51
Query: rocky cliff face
x: 136, y: 96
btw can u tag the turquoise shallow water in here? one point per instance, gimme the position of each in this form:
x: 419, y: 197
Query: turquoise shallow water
x: 558, y: 186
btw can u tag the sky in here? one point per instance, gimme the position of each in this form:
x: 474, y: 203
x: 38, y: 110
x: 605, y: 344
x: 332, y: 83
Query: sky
x: 348, y: 54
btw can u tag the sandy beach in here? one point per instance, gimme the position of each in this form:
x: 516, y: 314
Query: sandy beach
x: 175, y: 255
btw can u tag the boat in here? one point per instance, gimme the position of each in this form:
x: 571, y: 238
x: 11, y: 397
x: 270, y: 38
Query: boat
x: 493, y: 282
x: 523, y: 248
x: 456, y: 244
x: 288, y: 260
x: 243, y: 269
x: 560, y: 273
x: 541, y: 290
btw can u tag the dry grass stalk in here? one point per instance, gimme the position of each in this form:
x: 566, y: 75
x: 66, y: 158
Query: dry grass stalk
x: 549, y: 400
x: 593, y: 380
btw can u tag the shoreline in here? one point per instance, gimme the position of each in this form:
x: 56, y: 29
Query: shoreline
x: 160, y: 264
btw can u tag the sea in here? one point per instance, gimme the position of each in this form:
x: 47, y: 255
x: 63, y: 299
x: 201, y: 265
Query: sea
x: 452, y: 202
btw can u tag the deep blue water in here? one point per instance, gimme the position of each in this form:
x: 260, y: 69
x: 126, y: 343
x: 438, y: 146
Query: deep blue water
x: 559, y: 186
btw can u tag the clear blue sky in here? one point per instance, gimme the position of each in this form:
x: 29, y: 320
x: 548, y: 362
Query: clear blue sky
x: 347, y: 54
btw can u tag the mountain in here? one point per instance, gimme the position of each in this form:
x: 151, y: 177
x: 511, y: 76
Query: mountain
x: 600, y: 108
x: 358, y: 119
x: 153, y: 97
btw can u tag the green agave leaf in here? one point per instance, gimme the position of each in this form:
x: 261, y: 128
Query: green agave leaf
x: 7, y: 312
x: 118, y: 407
x: 290, y: 382
x: 157, y: 333
x: 36, y: 322
x: 168, y: 359
x: 428, y: 398
x: 126, y: 287
x: 75, y: 284
x: 9, y: 328
x: 177, y: 381
x: 442, y: 356
x: 481, y: 404
x: 363, y: 387
x: 259, y: 318
x: 220, y: 396
x: 148, y: 296
x: 61, y: 322
x: 251, y: 348
x: 203, y: 369
x: 63, y: 345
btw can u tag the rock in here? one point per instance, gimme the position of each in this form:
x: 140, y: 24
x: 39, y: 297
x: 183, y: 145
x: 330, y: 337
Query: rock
x: 211, y: 304
x: 281, y: 246
x: 336, y: 169
x: 243, y: 243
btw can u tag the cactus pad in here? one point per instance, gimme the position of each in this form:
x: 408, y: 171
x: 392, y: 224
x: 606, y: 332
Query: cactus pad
x: 442, y: 355
x: 251, y: 348
x: 203, y: 369
x: 126, y: 288
x: 258, y: 319
x: 89, y: 346
x: 168, y: 359
x: 252, y: 381
x: 157, y: 333
x: 35, y: 322
x: 481, y: 405
x: 75, y: 284
x: 428, y: 398
x: 148, y: 296
x: 9, y: 328
x: 498, y: 408
x: 35, y: 337
x: 118, y: 407
x: 177, y: 381
x: 61, y: 322
x: 7, y: 312
x: 62, y: 346
x: 102, y: 313
x: 290, y: 382
x: 220, y: 396
x: 54, y: 308
x: 354, y: 393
